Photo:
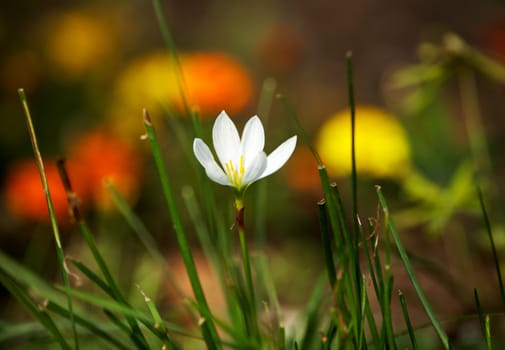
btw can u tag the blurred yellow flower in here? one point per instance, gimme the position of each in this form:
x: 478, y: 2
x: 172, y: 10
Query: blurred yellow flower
x: 77, y: 41
x: 146, y: 82
x: 382, y: 145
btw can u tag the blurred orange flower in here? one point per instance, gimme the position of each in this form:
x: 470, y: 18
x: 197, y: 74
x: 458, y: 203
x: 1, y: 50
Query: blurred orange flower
x: 215, y: 81
x: 24, y: 196
x: 101, y: 156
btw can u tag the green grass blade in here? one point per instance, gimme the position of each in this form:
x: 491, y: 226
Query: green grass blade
x: 354, y: 177
x: 30, y: 280
x: 168, y: 343
x: 90, y: 325
x: 26, y: 277
x: 282, y: 338
x: 115, y: 306
x: 410, y: 271
x: 212, y: 252
x: 372, y: 325
x: 406, y: 317
x: 328, y: 253
x: 312, y: 315
x: 36, y: 312
x: 483, y: 320
x: 116, y: 293
x: 487, y: 223
x: 251, y: 294
x: 170, y: 43
x: 180, y: 234
x: 136, y: 224
x: 143, y: 234
x: 261, y: 205
x: 136, y: 333
x: 354, y: 185
x: 93, y: 277
x: 50, y: 206
x: 191, y: 202
x: 291, y: 112
x: 267, y: 282
x: 123, y: 327
x: 489, y: 344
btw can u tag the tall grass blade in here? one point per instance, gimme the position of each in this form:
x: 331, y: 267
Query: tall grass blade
x: 115, y: 293
x: 487, y: 323
x: 158, y: 323
x: 93, y: 277
x: 328, y: 253
x: 38, y: 314
x: 211, y: 338
x: 312, y: 315
x: 410, y: 271
x: 483, y: 319
x: 406, y: 317
x: 170, y: 43
x: 136, y: 224
x: 291, y: 112
x: 50, y: 206
x: 354, y: 184
x: 137, y: 335
x: 264, y: 106
x: 487, y: 223
x: 90, y: 325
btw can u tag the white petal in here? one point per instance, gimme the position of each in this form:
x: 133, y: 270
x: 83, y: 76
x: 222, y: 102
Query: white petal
x: 256, y: 168
x: 253, y: 140
x: 226, y: 139
x: 279, y: 156
x: 202, y: 152
x: 206, y: 159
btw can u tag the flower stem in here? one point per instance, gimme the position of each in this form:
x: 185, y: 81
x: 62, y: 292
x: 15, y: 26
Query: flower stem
x: 239, y: 221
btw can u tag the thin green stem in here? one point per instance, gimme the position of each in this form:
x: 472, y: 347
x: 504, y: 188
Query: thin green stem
x: 52, y: 213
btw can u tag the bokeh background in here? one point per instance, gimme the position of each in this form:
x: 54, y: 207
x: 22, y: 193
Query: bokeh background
x: 429, y: 87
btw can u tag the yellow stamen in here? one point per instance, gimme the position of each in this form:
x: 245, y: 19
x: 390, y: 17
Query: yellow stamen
x: 235, y: 175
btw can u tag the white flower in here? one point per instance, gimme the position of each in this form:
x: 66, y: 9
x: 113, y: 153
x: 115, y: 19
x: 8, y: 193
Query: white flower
x: 243, y: 160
